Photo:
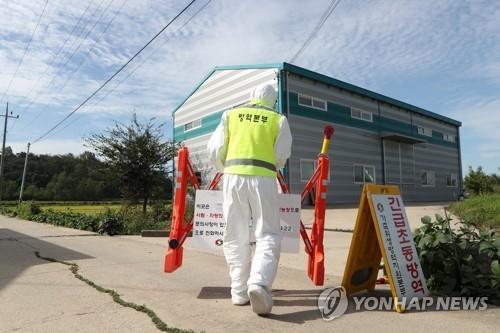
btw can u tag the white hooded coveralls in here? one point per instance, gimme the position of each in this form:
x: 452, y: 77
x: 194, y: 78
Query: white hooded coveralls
x: 251, y: 198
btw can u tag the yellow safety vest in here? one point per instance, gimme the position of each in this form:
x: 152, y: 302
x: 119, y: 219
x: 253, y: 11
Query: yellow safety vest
x: 252, y: 130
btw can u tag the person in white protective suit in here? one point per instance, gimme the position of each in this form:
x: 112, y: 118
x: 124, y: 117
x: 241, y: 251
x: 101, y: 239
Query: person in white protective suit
x: 250, y: 144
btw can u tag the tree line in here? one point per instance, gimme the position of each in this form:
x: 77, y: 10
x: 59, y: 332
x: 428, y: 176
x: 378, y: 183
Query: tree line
x: 478, y: 182
x: 58, y: 178
x: 131, y: 163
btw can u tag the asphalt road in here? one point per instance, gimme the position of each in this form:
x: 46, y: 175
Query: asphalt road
x: 41, y: 296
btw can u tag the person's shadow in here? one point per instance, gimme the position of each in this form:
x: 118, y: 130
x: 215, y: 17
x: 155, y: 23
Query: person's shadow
x: 281, y: 298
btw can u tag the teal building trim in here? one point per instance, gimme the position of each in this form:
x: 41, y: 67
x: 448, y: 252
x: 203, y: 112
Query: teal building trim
x: 365, y: 92
x: 335, y: 114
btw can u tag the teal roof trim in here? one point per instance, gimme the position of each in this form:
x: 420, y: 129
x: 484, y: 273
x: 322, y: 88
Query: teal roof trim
x: 365, y: 92
x: 252, y: 66
x: 340, y: 114
x: 278, y: 66
x: 331, y: 81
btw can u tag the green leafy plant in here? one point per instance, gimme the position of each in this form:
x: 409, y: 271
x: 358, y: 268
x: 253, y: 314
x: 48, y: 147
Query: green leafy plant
x: 8, y: 210
x: 110, y: 223
x: 463, y: 261
x: 27, y: 209
x: 130, y: 220
x: 134, y: 220
x: 478, y: 182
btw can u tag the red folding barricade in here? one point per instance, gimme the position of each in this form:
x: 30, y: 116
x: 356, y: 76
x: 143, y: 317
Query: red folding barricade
x: 313, y: 243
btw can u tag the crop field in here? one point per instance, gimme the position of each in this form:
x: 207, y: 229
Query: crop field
x: 81, y: 208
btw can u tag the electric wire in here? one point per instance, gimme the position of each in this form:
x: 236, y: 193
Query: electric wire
x: 85, y: 57
x: 52, y: 61
x: 25, y: 51
x: 90, y: 49
x: 61, y: 88
x: 33, y: 100
x: 136, y: 68
x: 317, y: 28
x: 41, y: 137
x: 94, y: 13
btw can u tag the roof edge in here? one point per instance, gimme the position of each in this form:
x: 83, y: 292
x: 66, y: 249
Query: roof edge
x: 251, y: 66
x: 278, y: 66
x: 365, y: 92
x: 193, y: 91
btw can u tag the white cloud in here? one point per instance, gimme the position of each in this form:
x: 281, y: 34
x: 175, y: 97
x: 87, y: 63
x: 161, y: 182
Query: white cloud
x: 489, y: 151
x: 481, y: 118
x: 367, y: 43
x: 489, y: 71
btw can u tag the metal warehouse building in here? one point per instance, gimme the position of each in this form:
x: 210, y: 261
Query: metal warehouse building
x: 377, y: 139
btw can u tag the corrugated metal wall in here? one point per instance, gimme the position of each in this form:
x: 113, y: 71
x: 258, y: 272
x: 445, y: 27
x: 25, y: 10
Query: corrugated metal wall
x: 224, y: 89
x: 356, y: 142
x: 348, y: 147
x: 359, y: 143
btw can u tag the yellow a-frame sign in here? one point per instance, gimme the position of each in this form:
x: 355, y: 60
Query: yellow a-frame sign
x: 382, y: 231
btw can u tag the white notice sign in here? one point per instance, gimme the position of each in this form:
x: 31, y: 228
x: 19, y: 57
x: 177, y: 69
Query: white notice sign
x: 407, y: 276
x: 209, y: 225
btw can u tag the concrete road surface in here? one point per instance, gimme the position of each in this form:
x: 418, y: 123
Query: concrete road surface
x: 343, y: 217
x: 40, y: 296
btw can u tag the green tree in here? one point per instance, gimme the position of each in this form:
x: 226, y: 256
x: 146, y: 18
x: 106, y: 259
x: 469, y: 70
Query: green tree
x: 496, y: 181
x: 478, y: 182
x: 137, y: 155
x: 59, y: 177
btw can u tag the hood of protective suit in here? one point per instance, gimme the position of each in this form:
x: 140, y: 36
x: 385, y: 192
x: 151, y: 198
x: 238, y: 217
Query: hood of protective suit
x: 264, y: 94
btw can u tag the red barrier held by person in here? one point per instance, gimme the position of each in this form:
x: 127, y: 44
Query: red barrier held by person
x: 249, y: 145
x: 313, y: 244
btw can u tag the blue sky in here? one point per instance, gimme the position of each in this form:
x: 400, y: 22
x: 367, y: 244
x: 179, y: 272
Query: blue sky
x: 443, y: 56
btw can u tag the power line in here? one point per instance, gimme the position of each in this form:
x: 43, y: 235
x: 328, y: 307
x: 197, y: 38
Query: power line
x: 25, y: 50
x: 150, y: 55
x: 90, y: 49
x: 137, y: 67
x: 60, y: 66
x: 49, y: 65
x: 113, y: 76
x: 317, y: 28
x: 38, y: 114
x: 75, y: 42
x: 84, y: 38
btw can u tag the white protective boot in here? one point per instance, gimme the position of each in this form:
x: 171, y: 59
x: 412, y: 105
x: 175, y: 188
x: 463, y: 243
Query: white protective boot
x: 261, y: 299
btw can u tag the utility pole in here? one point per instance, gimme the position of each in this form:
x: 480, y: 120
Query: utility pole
x: 7, y: 116
x: 24, y: 173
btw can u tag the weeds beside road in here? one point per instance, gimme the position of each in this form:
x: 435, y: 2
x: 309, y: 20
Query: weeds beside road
x: 108, y: 219
x: 482, y: 211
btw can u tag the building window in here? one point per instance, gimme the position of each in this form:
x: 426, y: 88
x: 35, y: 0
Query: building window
x: 449, y: 137
x: 361, y: 115
x: 428, y: 178
x: 192, y: 125
x: 306, y: 169
x: 424, y: 131
x: 364, y: 174
x: 451, y: 180
x: 312, y: 102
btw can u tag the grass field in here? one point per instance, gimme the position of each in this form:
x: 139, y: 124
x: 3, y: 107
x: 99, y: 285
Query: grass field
x: 482, y: 210
x: 85, y: 209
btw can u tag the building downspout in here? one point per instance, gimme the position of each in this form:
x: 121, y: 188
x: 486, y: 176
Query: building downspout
x: 284, y: 79
x: 382, y: 149
x: 460, y: 182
